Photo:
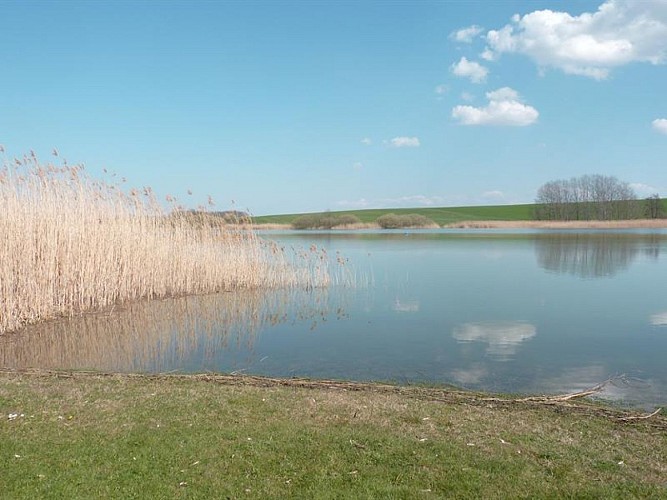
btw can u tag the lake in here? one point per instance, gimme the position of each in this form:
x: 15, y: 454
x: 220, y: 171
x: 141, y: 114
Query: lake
x: 513, y: 311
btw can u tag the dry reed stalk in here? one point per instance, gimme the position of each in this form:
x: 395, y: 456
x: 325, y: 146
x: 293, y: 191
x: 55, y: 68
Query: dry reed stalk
x: 72, y: 244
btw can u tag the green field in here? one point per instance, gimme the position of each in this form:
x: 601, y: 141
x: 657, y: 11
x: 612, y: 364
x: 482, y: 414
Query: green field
x: 442, y: 216
x: 76, y: 435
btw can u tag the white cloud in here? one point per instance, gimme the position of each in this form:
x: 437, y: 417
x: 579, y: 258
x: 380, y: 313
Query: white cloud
x: 417, y: 199
x: 643, y: 190
x: 493, y: 195
x: 487, y: 55
x: 441, y: 89
x: 467, y: 96
x: 402, y: 201
x: 366, y: 141
x: 360, y: 203
x: 591, y: 44
x: 503, y: 94
x: 660, y: 125
x: 466, y: 35
x: 504, y: 108
x: 405, y: 142
x: 358, y: 166
x: 470, y: 69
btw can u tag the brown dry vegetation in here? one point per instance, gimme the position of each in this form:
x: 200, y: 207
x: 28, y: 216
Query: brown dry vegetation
x: 72, y: 244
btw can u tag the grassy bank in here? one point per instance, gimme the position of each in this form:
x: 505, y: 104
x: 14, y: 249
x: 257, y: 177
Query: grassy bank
x: 86, y: 435
x: 441, y: 216
x: 456, y: 216
x: 73, y: 244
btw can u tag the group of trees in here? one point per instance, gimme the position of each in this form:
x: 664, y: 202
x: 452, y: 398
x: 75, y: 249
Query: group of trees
x: 593, y: 197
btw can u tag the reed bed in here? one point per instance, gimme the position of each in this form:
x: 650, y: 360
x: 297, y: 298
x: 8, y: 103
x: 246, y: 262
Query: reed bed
x: 72, y: 244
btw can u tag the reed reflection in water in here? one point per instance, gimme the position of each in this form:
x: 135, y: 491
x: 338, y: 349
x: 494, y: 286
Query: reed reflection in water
x: 163, y: 335
x: 593, y: 255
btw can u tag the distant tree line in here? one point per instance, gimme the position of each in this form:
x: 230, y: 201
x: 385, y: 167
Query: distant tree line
x: 593, y: 197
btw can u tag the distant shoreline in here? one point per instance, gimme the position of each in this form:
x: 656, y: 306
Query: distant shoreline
x: 510, y: 224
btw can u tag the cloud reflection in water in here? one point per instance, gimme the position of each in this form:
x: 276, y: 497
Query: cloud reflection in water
x: 503, y: 337
x: 659, y: 319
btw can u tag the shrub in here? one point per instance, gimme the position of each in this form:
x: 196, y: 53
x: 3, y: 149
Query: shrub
x: 324, y: 221
x: 393, y: 221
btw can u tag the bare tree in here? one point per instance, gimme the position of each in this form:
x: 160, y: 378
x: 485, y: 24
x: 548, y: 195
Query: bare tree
x: 589, y: 197
x: 653, y: 208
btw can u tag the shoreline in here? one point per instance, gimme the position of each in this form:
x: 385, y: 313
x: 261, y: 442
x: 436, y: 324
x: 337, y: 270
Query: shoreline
x: 501, y: 224
x: 575, y: 403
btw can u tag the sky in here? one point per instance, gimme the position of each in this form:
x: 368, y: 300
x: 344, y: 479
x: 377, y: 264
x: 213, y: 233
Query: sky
x: 284, y: 107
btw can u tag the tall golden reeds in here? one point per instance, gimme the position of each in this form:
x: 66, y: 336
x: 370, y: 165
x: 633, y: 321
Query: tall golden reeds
x: 70, y: 243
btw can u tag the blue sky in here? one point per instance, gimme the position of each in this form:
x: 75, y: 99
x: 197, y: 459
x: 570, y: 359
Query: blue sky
x: 307, y: 106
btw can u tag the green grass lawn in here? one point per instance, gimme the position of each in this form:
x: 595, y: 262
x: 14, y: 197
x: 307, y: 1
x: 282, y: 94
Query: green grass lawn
x: 441, y: 216
x: 95, y: 436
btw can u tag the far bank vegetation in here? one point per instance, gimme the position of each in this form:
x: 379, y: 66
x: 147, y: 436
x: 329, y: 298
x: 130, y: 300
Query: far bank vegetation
x: 328, y: 220
x: 394, y: 221
x: 594, y: 197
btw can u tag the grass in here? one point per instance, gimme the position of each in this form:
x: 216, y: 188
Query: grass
x: 73, y: 244
x: 441, y: 216
x: 95, y: 436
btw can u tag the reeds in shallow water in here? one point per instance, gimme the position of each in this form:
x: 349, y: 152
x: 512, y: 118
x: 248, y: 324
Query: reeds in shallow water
x: 70, y: 244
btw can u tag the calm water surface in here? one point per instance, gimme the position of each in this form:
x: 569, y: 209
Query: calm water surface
x: 507, y: 311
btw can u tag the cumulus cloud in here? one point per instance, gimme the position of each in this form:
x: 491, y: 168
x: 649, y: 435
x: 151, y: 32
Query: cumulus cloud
x: 470, y: 69
x: 590, y: 44
x: 660, y: 125
x: 405, y: 142
x: 366, y: 141
x: 466, y: 35
x: 441, y: 89
x: 505, y: 107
